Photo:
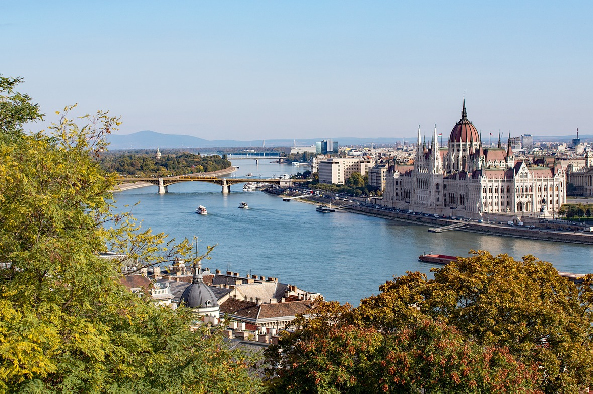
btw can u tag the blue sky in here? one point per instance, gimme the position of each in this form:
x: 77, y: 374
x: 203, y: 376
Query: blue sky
x: 307, y: 69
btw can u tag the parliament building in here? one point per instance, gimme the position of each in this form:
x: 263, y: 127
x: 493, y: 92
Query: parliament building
x: 466, y: 179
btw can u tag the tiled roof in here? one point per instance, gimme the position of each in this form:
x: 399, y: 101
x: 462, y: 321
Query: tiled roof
x: 265, y: 291
x: 403, y: 168
x: 542, y: 173
x: 240, y: 308
x: 284, y: 309
x: 495, y: 154
x: 251, y: 310
x: 135, y: 281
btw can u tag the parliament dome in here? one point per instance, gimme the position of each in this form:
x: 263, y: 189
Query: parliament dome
x: 464, y: 130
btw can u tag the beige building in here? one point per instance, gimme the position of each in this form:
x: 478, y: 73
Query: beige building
x: 464, y: 179
x: 338, y: 170
x: 581, y: 178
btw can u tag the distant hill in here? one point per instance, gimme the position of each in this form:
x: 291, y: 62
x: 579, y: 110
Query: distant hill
x: 148, y: 139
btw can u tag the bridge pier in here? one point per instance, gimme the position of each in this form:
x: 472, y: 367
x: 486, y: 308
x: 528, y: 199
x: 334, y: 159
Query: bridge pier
x: 162, y: 188
x: 226, y: 188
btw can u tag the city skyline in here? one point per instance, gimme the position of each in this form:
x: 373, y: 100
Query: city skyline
x: 264, y: 70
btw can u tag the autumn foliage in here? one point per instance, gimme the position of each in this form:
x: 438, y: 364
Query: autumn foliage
x: 483, y: 324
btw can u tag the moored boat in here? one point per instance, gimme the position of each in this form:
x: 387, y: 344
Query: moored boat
x: 441, y: 259
x: 249, y: 187
x: 324, y: 209
x: 201, y: 210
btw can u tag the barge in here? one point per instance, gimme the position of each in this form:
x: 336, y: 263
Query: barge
x: 441, y: 259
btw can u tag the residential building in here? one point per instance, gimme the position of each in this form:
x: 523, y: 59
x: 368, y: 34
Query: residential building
x: 378, y: 176
x: 338, y: 170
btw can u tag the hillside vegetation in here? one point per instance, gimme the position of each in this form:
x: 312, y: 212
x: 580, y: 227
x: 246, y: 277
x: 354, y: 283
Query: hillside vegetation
x: 146, y: 165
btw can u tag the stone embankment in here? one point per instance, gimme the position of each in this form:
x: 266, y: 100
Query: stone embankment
x: 547, y: 231
x: 135, y: 185
x: 543, y: 234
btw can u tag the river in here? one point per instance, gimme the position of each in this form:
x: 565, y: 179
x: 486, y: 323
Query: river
x: 344, y: 256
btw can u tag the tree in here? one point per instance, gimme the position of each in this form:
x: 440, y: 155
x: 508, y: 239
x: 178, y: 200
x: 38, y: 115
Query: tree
x: 536, y: 323
x: 355, y: 180
x: 333, y: 354
x: 66, y: 324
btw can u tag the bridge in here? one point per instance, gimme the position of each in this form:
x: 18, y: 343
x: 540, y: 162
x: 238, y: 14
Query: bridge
x: 225, y: 183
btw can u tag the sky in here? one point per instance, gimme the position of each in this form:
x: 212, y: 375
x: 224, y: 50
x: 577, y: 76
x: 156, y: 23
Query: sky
x: 307, y: 69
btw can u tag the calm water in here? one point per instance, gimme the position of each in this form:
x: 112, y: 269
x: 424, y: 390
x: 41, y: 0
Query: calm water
x: 342, y: 255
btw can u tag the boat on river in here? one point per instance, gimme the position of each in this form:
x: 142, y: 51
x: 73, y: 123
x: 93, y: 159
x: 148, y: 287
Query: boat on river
x: 201, y: 210
x: 249, y: 187
x: 441, y: 259
x: 243, y: 205
x: 324, y: 209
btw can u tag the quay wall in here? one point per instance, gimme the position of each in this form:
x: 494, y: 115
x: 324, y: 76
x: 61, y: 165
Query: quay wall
x: 482, y: 228
x: 548, y: 231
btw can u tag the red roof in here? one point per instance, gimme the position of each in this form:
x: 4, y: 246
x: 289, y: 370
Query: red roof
x: 495, y: 154
x: 135, y: 281
x: 464, y: 130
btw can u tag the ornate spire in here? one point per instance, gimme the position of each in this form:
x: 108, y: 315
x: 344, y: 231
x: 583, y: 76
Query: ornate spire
x: 197, y: 277
x: 463, y: 112
x: 499, y: 145
x: 509, y: 150
x: 435, y: 139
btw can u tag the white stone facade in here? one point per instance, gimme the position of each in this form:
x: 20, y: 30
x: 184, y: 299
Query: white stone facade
x: 464, y: 179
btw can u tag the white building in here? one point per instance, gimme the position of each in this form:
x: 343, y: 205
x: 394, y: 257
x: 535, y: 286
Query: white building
x: 463, y: 179
x: 338, y: 170
x: 303, y: 149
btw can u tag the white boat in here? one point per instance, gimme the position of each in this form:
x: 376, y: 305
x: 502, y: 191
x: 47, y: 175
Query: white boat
x: 324, y: 209
x: 249, y: 187
x: 201, y: 210
x: 243, y: 205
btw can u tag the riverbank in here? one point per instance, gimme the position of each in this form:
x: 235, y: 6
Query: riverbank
x: 129, y: 186
x: 496, y: 229
x: 480, y: 228
x: 135, y: 185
